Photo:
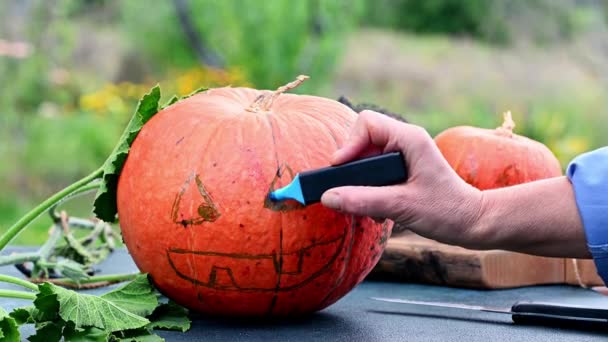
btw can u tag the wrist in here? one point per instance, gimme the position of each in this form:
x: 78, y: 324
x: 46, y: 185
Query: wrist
x: 538, y: 217
x: 483, y: 234
x: 498, y: 225
x: 468, y: 219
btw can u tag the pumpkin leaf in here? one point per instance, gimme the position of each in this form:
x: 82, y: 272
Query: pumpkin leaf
x: 171, y: 101
x: 136, y: 335
x: 46, y: 304
x: 118, y: 315
x: 86, y: 334
x: 47, y: 332
x: 9, y: 330
x: 23, y: 315
x: 170, y: 316
x: 105, y: 200
x: 137, y: 297
x: 199, y: 90
x: 175, y: 98
x: 88, y: 310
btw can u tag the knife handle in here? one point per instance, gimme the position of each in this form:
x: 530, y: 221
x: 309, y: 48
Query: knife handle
x: 559, y: 315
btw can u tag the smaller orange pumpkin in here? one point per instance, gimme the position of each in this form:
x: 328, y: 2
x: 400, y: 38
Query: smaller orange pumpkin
x: 493, y: 158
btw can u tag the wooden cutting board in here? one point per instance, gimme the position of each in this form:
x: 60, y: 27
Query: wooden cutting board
x: 412, y: 258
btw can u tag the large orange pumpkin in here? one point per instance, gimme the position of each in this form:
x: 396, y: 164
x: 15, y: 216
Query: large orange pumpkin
x: 494, y: 158
x: 193, y: 207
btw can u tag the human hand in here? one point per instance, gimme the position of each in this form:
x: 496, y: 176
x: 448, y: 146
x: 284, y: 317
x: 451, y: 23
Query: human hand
x: 434, y: 202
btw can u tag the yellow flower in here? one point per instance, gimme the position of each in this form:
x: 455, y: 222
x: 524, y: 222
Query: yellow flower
x: 576, y: 145
x: 568, y: 148
x: 116, y: 98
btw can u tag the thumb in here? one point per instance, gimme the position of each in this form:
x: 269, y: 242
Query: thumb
x: 378, y: 202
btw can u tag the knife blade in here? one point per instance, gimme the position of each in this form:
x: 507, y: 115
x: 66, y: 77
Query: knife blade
x: 531, y: 312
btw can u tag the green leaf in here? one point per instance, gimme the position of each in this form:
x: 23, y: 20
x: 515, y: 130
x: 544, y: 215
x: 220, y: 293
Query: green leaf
x: 171, y: 101
x: 86, y: 334
x: 137, y: 297
x: 175, y: 99
x: 47, y: 332
x: 9, y: 330
x: 46, y: 304
x: 199, y: 90
x: 136, y: 335
x: 105, y: 200
x: 88, y: 310
x: 170, y: 316
x: 23, y: 315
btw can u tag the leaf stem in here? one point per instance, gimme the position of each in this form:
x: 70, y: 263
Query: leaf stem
x: 18, y: 258
x: 49, y: 202
x: 53, y: 209
x: 17, y: 294
x: 110, y: 278
x: 47, y: 248
x: 86, y: 188
x: 17, y: 281
x: 90, y: 282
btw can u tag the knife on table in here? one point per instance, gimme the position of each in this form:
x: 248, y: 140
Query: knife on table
x: 532, y: 313
x: 307, y: 187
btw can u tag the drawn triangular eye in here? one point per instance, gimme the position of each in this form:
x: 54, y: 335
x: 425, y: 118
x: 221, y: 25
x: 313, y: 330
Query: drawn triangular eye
x: 193, y: 191
x: 285, y: 172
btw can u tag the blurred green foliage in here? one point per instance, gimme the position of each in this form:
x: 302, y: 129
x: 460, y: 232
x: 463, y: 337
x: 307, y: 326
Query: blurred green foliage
x: 35, y: 79
x: 454, y: 17
x: 490, y: 21
x: 63, y: 106
x: 271, y: 41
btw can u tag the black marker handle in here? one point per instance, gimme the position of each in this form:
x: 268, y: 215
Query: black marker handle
x: 560, y: 315
x: 381, y: 170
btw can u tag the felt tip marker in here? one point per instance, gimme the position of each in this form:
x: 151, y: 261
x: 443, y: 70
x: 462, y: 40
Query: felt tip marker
x: 307, y: 187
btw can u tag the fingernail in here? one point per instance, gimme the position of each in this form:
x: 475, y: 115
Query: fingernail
x: 331, y: 200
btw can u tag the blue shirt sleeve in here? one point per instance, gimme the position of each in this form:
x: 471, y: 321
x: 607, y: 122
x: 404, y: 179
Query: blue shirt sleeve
x: 588, y: 174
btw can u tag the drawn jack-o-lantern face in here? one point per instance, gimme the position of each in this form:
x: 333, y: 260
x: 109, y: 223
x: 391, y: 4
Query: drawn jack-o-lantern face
x: 194, y: 212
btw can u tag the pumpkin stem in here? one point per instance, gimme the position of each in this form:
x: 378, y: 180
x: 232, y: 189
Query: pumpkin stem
x: 507, y: 126
x: 264, y: 102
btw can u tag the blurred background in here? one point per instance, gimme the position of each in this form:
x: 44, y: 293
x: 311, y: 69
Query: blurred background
x: 71, y: 71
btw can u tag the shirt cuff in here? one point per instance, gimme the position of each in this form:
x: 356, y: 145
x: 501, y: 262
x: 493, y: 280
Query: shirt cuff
x: 588, y: 174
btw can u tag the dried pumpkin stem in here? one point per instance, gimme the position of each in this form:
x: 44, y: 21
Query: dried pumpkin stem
x: 507, y: 126
x: 264, y: 102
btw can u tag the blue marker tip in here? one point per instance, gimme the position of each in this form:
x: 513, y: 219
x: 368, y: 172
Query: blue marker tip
x: 273, y: 196
x: 291, y: 191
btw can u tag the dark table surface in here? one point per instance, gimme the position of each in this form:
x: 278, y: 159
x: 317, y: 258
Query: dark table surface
x: 356, y: 317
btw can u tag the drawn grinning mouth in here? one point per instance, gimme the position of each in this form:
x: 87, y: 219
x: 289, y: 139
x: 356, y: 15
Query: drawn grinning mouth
x: 244, y: 272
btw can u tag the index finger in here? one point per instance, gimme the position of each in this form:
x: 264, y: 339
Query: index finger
x: 373, y: 133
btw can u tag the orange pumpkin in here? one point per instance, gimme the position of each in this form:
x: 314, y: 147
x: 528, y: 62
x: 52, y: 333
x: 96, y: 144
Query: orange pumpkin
x: 493, y: 158
x: 193, y: 207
